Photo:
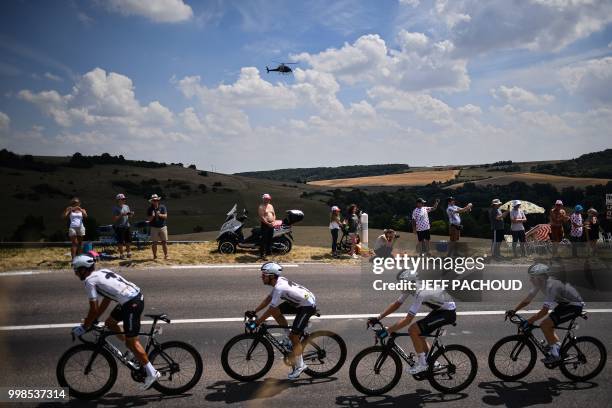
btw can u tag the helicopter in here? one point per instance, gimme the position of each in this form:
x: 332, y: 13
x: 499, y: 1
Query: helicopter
x: 282, y: 68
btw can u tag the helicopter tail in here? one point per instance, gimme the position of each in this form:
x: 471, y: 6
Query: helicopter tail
x: 267, y: 69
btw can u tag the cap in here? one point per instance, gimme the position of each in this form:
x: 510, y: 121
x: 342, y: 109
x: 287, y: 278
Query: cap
x: 154, y: 197
x: 495, y: 201
x: 120, y: 196
x: 516, y: 202
x: 449, y: 199
x: 578, y: 208
x: 420, y: 200
x: 558, y: 202
x: 266, y: 196
x: 335, y: 208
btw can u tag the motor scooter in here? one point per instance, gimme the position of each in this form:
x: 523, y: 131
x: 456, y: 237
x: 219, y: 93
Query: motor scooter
x: 231, y: 236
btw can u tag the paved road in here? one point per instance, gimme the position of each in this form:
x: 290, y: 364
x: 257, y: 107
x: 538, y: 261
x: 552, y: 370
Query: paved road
x: 29, y: 356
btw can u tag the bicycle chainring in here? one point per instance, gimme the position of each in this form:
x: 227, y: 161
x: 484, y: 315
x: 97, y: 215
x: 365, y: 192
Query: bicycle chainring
x: 139, y: 375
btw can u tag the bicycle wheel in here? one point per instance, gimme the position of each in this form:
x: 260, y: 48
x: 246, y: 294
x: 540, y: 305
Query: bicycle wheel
x: 375, y: 370
x: 84, y: 383
x: 247, y: 357
x: 180, y: 366
x: 583, y: 358
x: 324, y: 353
x: 455, y: 369
x: 512, y: 357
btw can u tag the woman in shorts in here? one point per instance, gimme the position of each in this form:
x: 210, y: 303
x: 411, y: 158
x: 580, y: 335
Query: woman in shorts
x: 75, y: 215
x: 592, y: 229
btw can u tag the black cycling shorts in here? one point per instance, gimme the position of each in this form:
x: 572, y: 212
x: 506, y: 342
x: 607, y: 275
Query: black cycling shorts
x: 302, y: 315
x: 423, y: 235
x: 564, y: 313
x: 436, y: 319
x: 129, y: 313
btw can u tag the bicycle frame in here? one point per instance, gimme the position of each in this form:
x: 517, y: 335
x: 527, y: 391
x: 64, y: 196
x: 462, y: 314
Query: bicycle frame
x: 101, y: 343
x: 540, y: 344
x: 264, y: 331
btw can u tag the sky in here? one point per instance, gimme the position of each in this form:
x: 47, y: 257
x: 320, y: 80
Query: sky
x: 422, y: 82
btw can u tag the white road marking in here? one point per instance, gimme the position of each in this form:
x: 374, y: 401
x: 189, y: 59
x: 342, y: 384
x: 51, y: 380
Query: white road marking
x: 226, y: 266
x: 240, y: 319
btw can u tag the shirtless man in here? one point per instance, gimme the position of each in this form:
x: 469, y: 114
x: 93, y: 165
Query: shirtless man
x: 557, y: 218
x: 267, y: 218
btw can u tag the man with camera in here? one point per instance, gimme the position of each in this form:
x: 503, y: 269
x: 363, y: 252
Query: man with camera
x: 454, y: 223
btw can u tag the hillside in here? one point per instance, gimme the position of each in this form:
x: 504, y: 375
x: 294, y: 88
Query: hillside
x: 195, y: 199
x: 304, y: 175
x: 531, y: 178
x: 597, y: 164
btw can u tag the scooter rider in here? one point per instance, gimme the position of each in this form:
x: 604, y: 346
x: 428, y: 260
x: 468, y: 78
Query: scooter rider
x: 568, y: 300
x: 443, y: 313
x: 297, y: 299
x: 130, y: 304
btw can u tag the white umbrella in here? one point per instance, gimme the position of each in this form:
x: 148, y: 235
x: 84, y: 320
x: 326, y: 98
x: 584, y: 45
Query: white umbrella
x: 526, y: 206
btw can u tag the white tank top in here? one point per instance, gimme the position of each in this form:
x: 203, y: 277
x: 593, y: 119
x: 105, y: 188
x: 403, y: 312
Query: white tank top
x: 76, y: 219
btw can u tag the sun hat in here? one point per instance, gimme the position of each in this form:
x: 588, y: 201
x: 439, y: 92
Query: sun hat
x: 495, y: 201
x: 154, y: 197
x: 578, y: 208
x: 516, y: 202
x: 120, y: 196
x: 592, y: 211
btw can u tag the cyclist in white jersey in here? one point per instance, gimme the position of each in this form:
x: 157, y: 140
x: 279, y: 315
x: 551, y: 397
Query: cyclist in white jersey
x: 286, y: 298
x: 443, y: 313
x: 130, y: 304
x: 566, y: 297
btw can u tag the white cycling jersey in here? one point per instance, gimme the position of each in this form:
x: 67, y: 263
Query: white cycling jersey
x: 291, y: 292
x: 110, y: 285
x: 436, y: 299
x: 558, y: 292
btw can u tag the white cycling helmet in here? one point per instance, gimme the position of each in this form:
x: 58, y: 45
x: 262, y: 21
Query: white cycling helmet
x: 538, y: 269
x: 82, y: 261
x: 271, y: 268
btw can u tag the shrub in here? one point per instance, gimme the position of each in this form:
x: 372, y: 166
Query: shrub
x: 31, y: 229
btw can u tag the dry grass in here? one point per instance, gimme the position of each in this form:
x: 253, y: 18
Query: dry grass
x: 179, y: 254
x: 532, y: 178
x: 417, y: 178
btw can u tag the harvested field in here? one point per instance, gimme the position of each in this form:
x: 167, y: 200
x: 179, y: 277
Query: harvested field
x: 532, y: 178
x: 417, y: 178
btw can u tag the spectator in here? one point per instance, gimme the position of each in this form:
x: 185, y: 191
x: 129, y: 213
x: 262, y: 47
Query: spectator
x: 517, y: 227
x: 454, y: 223
x: 352, y: 221
x: 576, y: 229
x: 267, y: 216
x: 157, y: 214
x: 420, y: 225
x: 592, y: 230
x: 75, y: 215
x: 496, y: 218
x: 383, y: 247
x: 557, y: 218
x: 121, y: 225
x: 334, y: 227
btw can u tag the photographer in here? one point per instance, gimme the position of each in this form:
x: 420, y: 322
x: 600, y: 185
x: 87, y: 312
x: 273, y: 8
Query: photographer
x: 75, y: 215
x: 454, y: 223
x: 383, y: 247
x: 157, y: 214
x: 121, y: 225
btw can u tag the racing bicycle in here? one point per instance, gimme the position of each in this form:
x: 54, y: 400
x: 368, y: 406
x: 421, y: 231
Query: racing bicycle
x: 377, y: 369
x: 513, y: 357
x: 249, y: 356
x: 89, y: 370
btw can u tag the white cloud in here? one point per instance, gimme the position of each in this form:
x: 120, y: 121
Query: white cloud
x: 516, y: 95
x: 5, y: 122
x: 419, y: 64
x: 53, y: 77
x: 546, y: 25
x: 411, y: 3
x: 159, y: 11
x: 591, y: 79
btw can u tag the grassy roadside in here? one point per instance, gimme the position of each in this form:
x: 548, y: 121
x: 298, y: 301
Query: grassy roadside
x: 179, y: 254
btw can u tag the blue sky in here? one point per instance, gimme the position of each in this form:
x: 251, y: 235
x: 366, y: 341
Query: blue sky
x: 420, y: 82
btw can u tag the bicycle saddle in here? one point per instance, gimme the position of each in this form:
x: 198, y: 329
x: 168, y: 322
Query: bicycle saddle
x: 162, y: 316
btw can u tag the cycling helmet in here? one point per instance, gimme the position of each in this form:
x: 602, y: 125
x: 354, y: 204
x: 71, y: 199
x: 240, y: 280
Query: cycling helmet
x: 538, y: 269
x: 82, y: 261
x: 271, y: 268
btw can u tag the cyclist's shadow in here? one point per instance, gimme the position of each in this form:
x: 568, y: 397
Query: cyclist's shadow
x: 419, y: 398
x: 235, y: 391
x: 519, y: 394
x: 113, y: 399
